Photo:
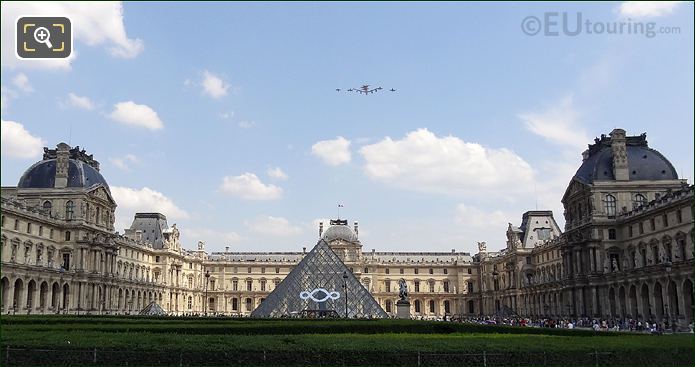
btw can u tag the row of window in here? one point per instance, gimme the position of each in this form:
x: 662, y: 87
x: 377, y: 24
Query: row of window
x: 417, y: 271
x: 40, y: 232
x: 611, y: 206
x: 388, y: 305
x: 652, y: 224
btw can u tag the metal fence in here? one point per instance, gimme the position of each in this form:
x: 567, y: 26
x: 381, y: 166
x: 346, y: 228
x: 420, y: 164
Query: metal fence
x: 101, y: 357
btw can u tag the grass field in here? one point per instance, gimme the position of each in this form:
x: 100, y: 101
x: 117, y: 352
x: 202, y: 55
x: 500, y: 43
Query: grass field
x: 37, y: 340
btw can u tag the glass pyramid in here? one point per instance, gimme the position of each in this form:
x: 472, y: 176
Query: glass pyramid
x: 316, y: 287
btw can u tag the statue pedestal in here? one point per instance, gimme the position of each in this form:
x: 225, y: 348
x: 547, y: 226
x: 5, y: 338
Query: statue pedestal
x: 403, y: 309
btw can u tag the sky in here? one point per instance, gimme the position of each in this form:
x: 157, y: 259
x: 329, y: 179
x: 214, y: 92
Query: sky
x: 225, y: 116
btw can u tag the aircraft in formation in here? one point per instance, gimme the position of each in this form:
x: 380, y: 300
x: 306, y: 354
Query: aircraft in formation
x: 365, y: 89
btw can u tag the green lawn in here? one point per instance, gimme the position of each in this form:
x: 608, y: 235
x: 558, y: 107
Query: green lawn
x: 156, y: 341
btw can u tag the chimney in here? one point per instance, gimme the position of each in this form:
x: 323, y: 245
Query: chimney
x: 453, y: 250
x: 357, y: 231
x: 320, y: 229
x: 621, y: 171
x: 62, y: 164
x: 226, y: 249
x: 304, y: 250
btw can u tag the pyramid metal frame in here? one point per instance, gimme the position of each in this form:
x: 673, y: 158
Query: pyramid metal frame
x: 317, y: 284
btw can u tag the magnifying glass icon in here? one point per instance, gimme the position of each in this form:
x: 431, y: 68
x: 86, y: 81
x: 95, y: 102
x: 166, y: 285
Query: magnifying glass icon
x: 42, y: 35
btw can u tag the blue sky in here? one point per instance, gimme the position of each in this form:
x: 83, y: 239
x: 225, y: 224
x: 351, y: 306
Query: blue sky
x: 224, y: 116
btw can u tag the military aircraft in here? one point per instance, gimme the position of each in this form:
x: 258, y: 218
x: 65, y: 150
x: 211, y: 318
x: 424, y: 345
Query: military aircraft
x: 365, y: 89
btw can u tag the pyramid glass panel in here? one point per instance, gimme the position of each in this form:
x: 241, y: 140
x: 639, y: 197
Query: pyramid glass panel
x: 320, y: 285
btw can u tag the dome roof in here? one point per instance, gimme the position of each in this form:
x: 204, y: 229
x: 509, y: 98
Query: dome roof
x: 339, y: 232
x: 41, y: 175
x: 643, y: 162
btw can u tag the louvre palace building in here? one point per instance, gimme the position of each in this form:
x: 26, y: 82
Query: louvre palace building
x: 626, y: 251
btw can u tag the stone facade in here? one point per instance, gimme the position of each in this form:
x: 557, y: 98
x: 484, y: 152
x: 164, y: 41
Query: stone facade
x: 627, y: 251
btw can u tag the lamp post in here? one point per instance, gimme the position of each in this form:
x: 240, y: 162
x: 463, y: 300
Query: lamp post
x: 667, y: 266
x: 345, y: 277
x: 205, y: 302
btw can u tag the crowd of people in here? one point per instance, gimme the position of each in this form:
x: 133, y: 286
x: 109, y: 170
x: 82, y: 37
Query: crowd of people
x: 626, y: 325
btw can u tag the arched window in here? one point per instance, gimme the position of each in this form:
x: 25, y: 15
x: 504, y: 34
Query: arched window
x: 97, y: 220
x: 471, y: 307
x: 47, y: 206
x: 639, y: 200
x: 431, y: 306
x: 417, y: 306
x: 235, y: 304
x: 609, y: 203
x: 447, y: 307
x: 69, y: 210
x: 249, y: 304
x: 366, y: 270
x: 67, y: 235
x: 388, y: 306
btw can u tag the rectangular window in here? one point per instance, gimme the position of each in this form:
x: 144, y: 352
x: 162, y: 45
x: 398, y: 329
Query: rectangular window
x: 235, y: 304
x: 470, y: 271
x: 29, y: 228
x: 655, y: 253
x: 417, y: 286
x: 249, y: 285
x: 387, y: 286
x: 431, y: 287
x: 611, y: 234
x: 41, y: 231
x: 652, y: 224
x: 235, y: 285
x: 387, y: 271
x: 446, y: 287
x: 470, y: 287
x: 262, y: 285
x: 679, y: 216
x: 528, y: 261
x: 212, y: 285
x: 431, y: 271
x: 277, y: 270
x: 16, y: 224
x: 401, y: 270
x: 629, y: 229
x: 641, y: 228
x: 156, y: 259
x: 665, y: 220
x: 446, y: 271
x: 262, y: 270
x: 249, y: 270
x: 66, y: 261
x: 416, y: 271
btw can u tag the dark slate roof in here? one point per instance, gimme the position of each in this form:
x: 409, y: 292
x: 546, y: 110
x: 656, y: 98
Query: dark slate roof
x: 644, y: 163
x: 41, y: 175
x: 152, y: 225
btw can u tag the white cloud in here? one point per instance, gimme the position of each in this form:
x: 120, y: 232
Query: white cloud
x: 131, y: 201
x: 213, y: 85
x: 244, y: 124
x: 474, y: 218
x: 647, y: 9
x: 79, y: 102
x: 7, y: 95
x: 124, y: 162
x: 21, y: 81
x: 424, y: 162
x: 333, y: 152
x: 558, y: 124
x: 93, y: 23
x: 249, y: 187
x: 273, y: 226
x: 277, y: 173
x: 17, y: 142
x: 131, y: 113
x: 226, y: 115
